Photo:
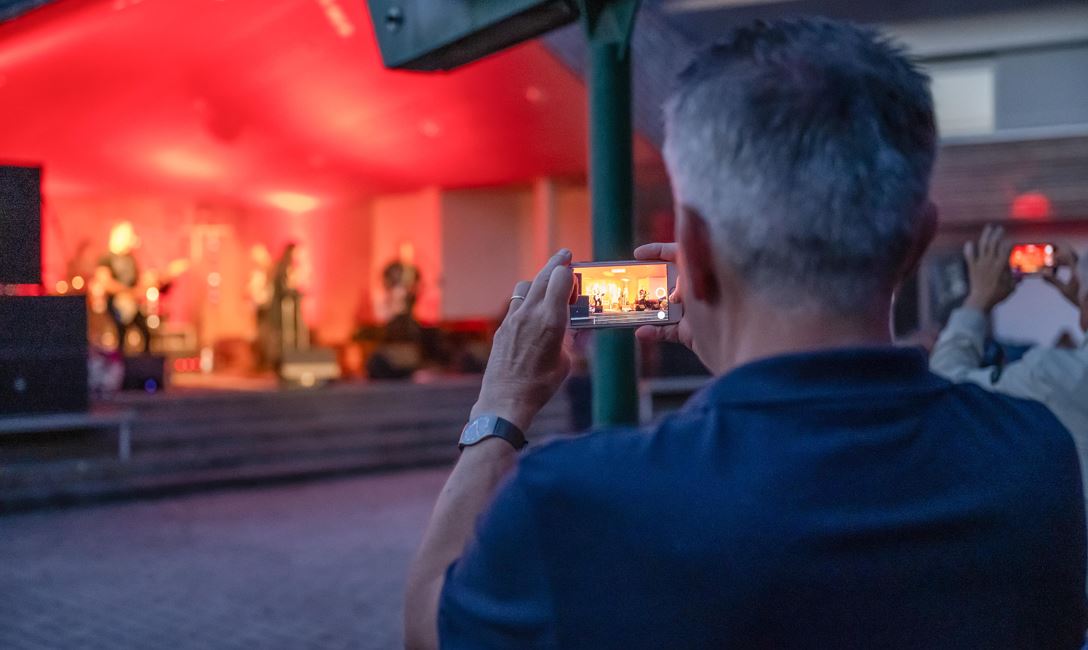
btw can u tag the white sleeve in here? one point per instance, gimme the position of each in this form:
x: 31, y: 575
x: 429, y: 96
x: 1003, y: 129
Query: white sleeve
x: 957, y: 356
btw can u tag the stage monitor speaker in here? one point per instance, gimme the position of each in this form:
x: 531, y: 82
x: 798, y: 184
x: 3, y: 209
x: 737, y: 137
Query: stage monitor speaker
x: 309, y: 368
x: 43, y: 354
x: 20, y: 225
x: 146, y: 372
x: 429, y: 35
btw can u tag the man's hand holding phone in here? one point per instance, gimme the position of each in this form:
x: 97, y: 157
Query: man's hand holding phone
x: 528, y: 363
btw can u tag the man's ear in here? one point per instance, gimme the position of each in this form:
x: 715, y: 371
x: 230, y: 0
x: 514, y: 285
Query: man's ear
x: 924, y: 234
x: 693, y: 236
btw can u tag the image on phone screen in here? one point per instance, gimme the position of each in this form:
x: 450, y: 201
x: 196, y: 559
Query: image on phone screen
x: 1028, y: 259
x: 622, y: 294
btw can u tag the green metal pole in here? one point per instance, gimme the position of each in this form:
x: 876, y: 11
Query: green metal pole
x: 611, y: 187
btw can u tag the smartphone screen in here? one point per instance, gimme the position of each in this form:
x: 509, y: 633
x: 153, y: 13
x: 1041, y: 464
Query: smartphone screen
x: 1026, y: 259
x: 623, y: 294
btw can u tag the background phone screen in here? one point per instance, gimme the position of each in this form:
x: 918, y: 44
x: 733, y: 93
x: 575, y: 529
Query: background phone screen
x: 1031, y: 258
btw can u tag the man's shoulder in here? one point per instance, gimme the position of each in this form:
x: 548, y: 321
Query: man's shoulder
x: 976, y: 396
x: 1002, y: 417
x: 608, y: 455
x: 584, y: 450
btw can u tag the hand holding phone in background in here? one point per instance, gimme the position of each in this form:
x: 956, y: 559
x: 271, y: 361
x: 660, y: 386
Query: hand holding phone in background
x: 995, y: 266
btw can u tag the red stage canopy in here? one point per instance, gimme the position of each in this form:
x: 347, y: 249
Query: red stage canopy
x: 276, y: 102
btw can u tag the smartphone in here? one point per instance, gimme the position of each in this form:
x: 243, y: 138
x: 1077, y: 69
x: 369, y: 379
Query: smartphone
x: 1028, y: 259
x: 623, y: 294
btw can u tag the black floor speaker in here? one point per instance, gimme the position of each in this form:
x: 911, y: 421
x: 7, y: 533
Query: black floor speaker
x: 145, y: 372
x: 43, y: 354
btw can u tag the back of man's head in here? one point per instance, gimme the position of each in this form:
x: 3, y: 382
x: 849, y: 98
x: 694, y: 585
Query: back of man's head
x: 807, y: 146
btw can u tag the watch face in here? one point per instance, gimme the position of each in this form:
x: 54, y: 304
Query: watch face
x: 476, y: 431
x: 472, y: 435
x: 487, y: 426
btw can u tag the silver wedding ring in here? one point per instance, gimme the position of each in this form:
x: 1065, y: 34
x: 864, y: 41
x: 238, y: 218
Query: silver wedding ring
x: 516, y: 297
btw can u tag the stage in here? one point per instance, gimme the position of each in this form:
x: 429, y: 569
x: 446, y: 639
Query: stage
x: 212, y: 430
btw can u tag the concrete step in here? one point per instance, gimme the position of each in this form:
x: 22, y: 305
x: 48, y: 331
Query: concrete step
x: 192, y: 441
x: 143, y: 484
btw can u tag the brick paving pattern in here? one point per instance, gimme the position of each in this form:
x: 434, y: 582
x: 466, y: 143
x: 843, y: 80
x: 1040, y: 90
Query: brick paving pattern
x: 310, y: 565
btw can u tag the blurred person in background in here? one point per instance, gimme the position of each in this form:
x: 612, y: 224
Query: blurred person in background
x: 1056, y: 376
x: 118, y: 277
x: 825, y: 489
x: 259, y: 289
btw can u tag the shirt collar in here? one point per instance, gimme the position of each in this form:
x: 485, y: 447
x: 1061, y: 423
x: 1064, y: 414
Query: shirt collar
x: 825, y: 374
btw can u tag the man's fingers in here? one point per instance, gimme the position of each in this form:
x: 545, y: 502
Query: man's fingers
x: 665, y: 251
x: 540, y: 282
x: 557, y: 293
x: 1051, y: 277
x: 1004, y: 250
x: 521, y: 289
x: 969, y: 251
x: 983, y: 242
x: 1065, y: 255
x: 1002, y: 246
x: 648, y: 333
x: 986, y: 242
x: 658, y: 333
x: 991, y: 241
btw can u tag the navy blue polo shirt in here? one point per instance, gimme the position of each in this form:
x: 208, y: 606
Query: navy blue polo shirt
x: 846, y: 498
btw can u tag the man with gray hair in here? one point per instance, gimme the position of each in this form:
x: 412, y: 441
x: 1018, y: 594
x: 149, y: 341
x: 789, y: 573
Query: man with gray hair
x: 825, y: 490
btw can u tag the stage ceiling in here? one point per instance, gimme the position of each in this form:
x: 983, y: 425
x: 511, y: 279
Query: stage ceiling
x: 281, y: 102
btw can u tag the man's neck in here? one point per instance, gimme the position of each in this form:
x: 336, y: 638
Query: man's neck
x: 762, y: 331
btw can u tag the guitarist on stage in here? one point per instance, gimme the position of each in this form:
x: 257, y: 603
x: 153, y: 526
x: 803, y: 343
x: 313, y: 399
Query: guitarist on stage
x: 119, y: 279
x: 118, y: 274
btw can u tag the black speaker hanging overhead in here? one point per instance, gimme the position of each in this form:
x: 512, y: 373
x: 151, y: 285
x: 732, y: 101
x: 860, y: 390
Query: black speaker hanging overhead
x: 443, y: 34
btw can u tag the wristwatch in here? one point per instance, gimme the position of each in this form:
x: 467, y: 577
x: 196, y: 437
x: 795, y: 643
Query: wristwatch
x: 492, y: 426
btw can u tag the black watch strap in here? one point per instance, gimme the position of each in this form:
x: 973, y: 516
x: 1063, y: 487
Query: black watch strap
x: 492, y: 426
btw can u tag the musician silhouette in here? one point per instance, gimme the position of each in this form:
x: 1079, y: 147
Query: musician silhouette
x: 118, y: 274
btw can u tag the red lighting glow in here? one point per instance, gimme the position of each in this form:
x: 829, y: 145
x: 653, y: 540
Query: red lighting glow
x: 215, y: 126
x: 121, y: 102
x: 1031, y: 206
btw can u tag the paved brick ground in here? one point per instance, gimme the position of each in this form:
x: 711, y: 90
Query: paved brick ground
x: 314, y: 565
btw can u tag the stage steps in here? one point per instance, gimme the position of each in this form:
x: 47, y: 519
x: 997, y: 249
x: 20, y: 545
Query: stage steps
x: 195, y: 439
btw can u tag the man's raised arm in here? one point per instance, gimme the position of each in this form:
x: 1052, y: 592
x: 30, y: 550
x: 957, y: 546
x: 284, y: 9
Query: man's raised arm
x: 526, y: 367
